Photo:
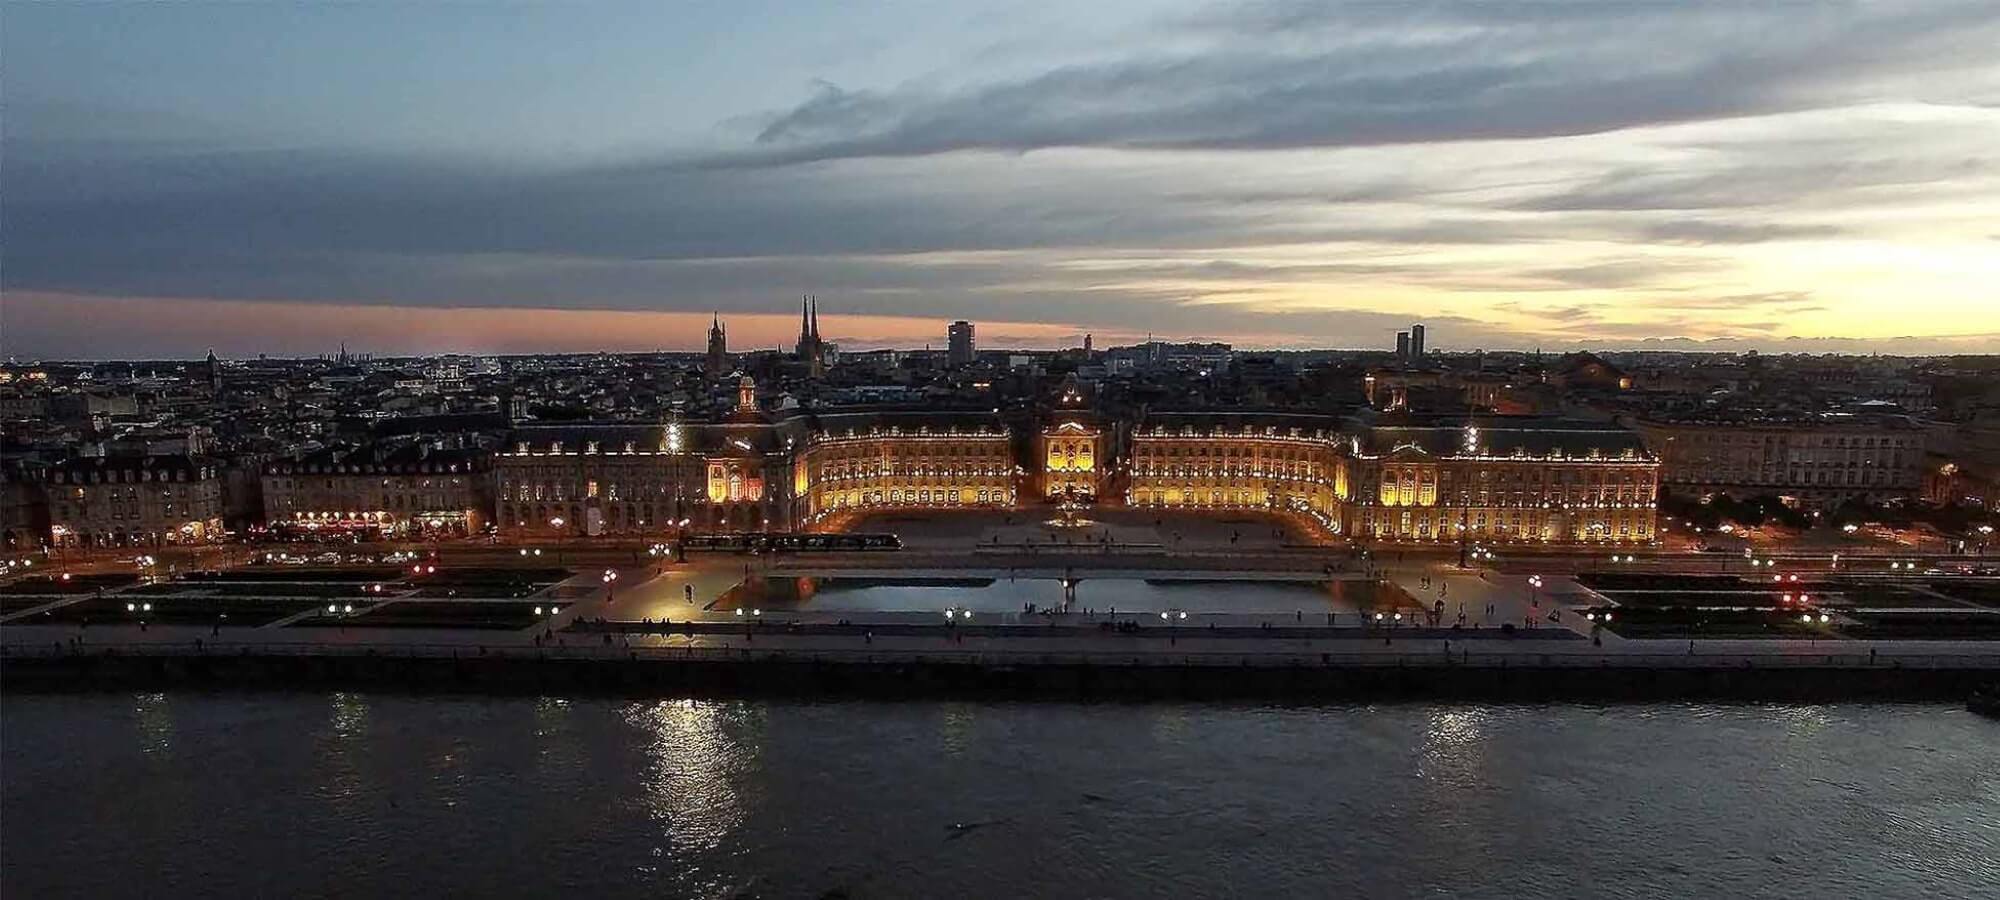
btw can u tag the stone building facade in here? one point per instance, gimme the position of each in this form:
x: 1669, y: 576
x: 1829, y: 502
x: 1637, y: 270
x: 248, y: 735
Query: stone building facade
x: 865, y: 461
x: 1548, y: 483
x: 1278, y: 464
x: 409, y: 492
x: 1816, y: 462
x: 134, y: 501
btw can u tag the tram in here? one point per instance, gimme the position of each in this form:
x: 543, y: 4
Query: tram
x: 769, y: 542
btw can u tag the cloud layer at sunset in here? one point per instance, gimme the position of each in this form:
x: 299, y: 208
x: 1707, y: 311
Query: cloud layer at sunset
x: 1782, y: 176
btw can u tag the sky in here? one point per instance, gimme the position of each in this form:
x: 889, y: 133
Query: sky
x: 1812, y: 176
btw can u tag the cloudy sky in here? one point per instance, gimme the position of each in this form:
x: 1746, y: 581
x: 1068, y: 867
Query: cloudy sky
x: 1813, y: 175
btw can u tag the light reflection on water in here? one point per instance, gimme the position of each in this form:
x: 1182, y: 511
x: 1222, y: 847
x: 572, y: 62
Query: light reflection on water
x: 155, y: 722
x: 695, y: 758
x: 340, y: 751
x: 383, y: 794
x: 955, y: 731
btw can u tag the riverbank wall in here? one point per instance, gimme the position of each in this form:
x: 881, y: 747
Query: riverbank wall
x: 1297, y: 678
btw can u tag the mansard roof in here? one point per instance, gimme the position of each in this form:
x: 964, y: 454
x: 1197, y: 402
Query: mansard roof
x: 1235, y: 421
x: 615, y: 437
x: 1580, y: 440
x: 131, y: 467
x: 409, y: 459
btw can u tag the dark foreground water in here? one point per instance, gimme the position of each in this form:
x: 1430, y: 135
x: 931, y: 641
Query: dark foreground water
x: 303, y: 795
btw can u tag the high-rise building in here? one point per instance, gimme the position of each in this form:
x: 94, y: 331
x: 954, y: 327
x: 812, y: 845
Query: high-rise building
x: 1416, y: 342
x: 960, y: 351
x: 1403, y: 346
x: 717, y: 364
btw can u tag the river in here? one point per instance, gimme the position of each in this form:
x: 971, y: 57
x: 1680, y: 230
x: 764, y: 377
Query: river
x: 351, y: 794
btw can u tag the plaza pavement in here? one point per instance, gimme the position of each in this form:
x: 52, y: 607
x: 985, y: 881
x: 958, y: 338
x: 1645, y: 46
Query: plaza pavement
x: 1121, y: 543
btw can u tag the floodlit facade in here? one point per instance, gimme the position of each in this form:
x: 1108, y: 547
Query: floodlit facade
x: 1070, y: 459
x: 1540, y: 481
x: 861, y: 462
x: 1547, y: 483
x: 1228, y: 464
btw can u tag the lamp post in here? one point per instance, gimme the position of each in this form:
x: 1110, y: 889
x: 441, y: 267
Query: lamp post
x: 1464, y: 531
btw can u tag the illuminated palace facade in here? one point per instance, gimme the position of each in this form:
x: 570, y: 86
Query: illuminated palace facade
x: 1546, y: 483
x: 857, y: 462
x: 749, y: 472
x: 1534, y: 482
x: 1557, y: 483
x: 1288, y: 464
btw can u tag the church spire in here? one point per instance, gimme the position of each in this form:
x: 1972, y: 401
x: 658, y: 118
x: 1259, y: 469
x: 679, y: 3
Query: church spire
x: 815, y: 320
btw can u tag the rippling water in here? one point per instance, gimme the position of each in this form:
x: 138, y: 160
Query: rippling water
x: 299, y: 795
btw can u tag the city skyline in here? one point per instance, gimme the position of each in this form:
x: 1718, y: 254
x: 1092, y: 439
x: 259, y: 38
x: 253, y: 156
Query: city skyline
x: 1782, y: 178
x: 1139, y: 448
